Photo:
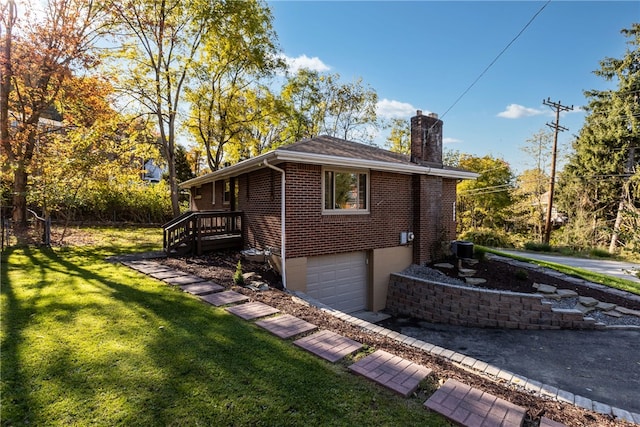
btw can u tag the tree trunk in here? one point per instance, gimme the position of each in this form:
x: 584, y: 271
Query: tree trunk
x: 616, y: 227
x: 19, y: 213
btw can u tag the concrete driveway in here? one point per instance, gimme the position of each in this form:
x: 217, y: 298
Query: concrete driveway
x: 620, y: 269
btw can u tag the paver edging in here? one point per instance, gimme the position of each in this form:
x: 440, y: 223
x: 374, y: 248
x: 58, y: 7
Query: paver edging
x: 546, y: 391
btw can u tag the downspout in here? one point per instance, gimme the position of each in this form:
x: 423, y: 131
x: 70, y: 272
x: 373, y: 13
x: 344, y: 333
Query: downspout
x: 282, y: 221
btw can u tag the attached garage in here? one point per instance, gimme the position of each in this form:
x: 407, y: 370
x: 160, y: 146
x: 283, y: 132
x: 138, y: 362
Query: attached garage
x: 339, y: 280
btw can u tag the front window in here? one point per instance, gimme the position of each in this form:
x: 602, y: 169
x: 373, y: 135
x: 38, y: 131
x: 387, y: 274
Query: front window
x: 345, y: 191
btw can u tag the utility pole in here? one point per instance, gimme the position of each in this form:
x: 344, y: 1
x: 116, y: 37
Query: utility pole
x: 557, y: 128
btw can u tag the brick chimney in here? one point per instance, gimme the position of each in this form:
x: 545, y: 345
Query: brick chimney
x: 426, y: 139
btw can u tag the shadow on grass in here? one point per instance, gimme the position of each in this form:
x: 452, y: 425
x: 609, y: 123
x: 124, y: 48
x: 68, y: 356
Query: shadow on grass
x: 123, y: 349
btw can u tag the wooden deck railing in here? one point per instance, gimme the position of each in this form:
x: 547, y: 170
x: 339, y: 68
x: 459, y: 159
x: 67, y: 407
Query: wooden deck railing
x: 199, y: 232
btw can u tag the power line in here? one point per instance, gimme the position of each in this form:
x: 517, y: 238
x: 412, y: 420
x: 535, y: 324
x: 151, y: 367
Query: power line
x: 496, y: 58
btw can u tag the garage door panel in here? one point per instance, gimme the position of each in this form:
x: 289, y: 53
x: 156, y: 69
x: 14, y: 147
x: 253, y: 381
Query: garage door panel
x: 339, y: 281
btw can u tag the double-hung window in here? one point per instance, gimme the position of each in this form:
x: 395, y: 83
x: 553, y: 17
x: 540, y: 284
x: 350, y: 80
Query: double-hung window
x: 345, y: 191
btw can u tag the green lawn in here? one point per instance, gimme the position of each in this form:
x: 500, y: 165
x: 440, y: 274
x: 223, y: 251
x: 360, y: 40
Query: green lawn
x: 86, y: 342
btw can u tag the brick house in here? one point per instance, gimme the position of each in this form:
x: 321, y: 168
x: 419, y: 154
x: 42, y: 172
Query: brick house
x: 340, y: 216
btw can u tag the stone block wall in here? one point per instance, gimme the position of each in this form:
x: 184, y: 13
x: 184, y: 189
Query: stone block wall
x: 465, y: 306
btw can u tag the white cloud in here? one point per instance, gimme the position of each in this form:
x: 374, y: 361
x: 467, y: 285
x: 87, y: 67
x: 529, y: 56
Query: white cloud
x: 515, y: 111
x: 389, y: 109
x: 303, y: 61
x: 450, y: 140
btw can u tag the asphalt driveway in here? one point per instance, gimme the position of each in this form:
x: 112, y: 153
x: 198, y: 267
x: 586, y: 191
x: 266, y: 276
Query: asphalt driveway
x: 620, y: 269
x: 600, y: 365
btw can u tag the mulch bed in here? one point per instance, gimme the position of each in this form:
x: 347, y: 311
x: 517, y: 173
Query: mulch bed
x: 221, y: 267
x: 506, y: 277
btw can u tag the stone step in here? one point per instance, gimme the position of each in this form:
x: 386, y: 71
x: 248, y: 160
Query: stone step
x: 588, y: 301
x: 544, y: 288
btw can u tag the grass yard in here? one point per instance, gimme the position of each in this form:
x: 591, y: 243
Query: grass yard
x: 86, y: 342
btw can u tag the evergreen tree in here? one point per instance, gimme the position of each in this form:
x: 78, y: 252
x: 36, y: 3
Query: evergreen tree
x: 599, y: 180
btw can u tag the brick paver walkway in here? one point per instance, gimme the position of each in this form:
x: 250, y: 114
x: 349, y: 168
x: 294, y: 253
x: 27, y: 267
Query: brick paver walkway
x: 224, y: 298
x: 252, y: 310
x: 148, y: 268
x: 328, y: 345
x: 286, y: 326
x: 165, y: 274
x: 471, y: 407
x: 183, y: 280
x: 393, y: 372
x: 459, y: 402
x: 202, y: 288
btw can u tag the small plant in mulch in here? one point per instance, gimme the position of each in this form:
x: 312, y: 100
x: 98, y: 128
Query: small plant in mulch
x: 521, y: 275
x: 238, y: 278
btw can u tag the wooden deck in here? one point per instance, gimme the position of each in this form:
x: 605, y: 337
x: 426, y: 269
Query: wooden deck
x: 200, y: 232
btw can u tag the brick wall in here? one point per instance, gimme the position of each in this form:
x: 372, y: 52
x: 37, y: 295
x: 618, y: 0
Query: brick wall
x: 259, y: 200
x: 309, y: 232
x: 392, y: 207
x: 465, y: 306
x: 448, y: 209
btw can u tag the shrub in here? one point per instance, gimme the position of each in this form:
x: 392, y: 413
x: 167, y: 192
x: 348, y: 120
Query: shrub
x: 522, y: 275
x: 479, y: 253
x: 537, y: 247
x: 487, y: 237
x: 238, y: 278
x: 599, y: 253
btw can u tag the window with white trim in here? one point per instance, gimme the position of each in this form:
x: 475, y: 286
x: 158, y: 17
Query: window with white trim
x: 345, y: 191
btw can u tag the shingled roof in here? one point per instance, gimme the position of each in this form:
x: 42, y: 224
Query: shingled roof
x: 330, y: 151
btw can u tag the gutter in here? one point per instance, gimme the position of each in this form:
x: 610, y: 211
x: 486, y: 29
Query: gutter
x: 282, y: 221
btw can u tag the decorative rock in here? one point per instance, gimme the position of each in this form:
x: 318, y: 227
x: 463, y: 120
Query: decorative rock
x: 588, y: 301
x: 471, y: 261
x: 474, y: 280
x: 584, y: 309
x: 605, y: 306
x: 444, y: 265
x: 628, y: 311
x: 546, y: 289
x: 613, y: 313
x: 566, y: 293
x: 466, y: 272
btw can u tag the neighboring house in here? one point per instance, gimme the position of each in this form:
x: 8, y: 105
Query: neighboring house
x: 152, y: 172
x: 557, y: 218
x: 341, y: 216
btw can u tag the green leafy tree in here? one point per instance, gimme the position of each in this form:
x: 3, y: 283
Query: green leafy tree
x: 484, y: 202
x: 600, y: 181
x: 399, y: 139
x: 314, y: 103
x: 226, y: 94
x: 163, y: 45
x: 38, y: 57
x: 530, y: 197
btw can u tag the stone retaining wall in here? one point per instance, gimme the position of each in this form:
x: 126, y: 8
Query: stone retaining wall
x: 465, y: 306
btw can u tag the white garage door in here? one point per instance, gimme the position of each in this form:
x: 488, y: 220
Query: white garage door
x: 340, y: 280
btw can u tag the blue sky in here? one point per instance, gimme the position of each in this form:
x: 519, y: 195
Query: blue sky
x: 425, y: 54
